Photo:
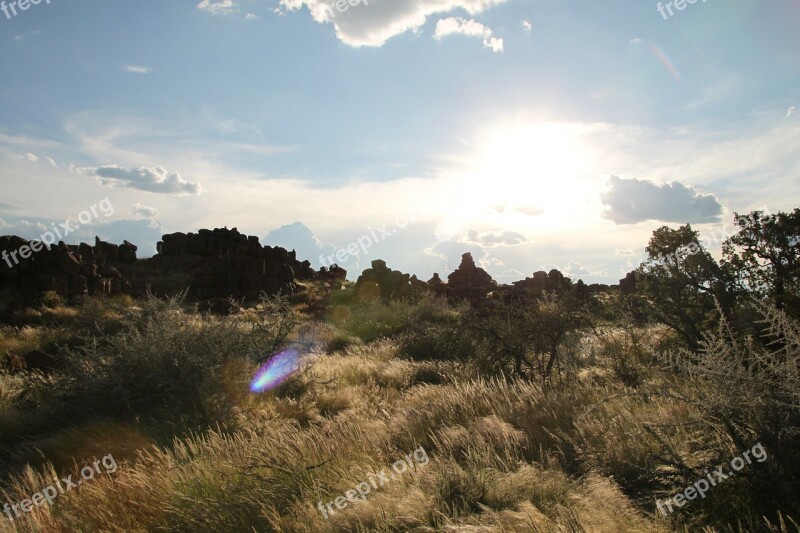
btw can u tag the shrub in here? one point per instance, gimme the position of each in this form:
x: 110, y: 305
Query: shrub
x: 448, y: 339
x: 168, y: 359
x: 371, y: 321
x: 52, y: 299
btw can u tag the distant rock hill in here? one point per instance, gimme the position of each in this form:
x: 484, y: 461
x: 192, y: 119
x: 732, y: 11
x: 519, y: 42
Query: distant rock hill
x: 472, y: 283
x: 221, y: 263
x: 217, y: 263
x: 64, y: 269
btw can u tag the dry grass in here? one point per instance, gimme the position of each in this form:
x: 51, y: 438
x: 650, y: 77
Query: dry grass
x: 588, y: 455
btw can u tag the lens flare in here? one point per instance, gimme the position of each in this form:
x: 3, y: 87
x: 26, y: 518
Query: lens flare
x: 276, y: 371
x: 666, y: 62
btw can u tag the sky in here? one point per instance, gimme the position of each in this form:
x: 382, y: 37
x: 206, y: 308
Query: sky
x: 535, y: 134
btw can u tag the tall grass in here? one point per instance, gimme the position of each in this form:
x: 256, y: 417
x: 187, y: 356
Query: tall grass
x: 166, y: 392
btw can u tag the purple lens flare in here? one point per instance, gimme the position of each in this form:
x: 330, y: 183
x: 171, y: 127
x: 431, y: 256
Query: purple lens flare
x: 276, y: 370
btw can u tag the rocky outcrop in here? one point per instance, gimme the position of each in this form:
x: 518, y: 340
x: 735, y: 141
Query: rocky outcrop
x: 223, y: 263
x: 334, y: 273
x: 438, y: 287
x: 28, y: 267
x: 470, y: 282
x: 105, y: 252
x: 382, y: 281
x: 627, y: 285
x: 218, y: 263
x: 533, y: 288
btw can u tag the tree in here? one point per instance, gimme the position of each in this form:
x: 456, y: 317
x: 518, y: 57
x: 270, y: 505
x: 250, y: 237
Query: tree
x: 681, y: 281
x: 763, y: 258
x: 514, y: 333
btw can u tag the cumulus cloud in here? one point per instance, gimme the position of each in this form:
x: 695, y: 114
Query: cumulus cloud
x: 141, y: 211
x: 576, y: 271
x: 791, y: 111
x: 155, y: 179
x: 143, y: 233
x: 629, y: 201
x: 527, y: 26
x: 27, y: 229
x: 374, y: 22
x: 490, y: 238
x: 470, y: 28
x: 137, y: 69
x: 218, y: 7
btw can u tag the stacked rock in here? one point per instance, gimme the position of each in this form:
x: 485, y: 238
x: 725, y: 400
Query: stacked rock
x: 389, y: 284
x: 68, y: 271
x: 470, y: 282
x: 533, y: 288
x: 224, y: 263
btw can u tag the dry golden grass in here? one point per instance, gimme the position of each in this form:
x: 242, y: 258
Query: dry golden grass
x: 586, y: 455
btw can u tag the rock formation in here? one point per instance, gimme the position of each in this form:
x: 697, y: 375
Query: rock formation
x: 66, y: 270
x: 438, y: 287
x: 219, y: 263
x: 224, y: 263
x: 627, y: 285
x: 533, y: 288
x: 469, y: 281
x: 381, y: 280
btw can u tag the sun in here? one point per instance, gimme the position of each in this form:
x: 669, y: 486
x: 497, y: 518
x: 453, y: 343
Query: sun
x: 524, y: 172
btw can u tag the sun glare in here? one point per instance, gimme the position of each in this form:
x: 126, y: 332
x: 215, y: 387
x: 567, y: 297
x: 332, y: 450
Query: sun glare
x: 521, y: 169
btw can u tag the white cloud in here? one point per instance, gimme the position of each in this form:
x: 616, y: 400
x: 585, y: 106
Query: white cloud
x: 154, y: 179
x: 218, y: 7
x: 494, y: 238
x: 630, y: 201
x: 373, y: 22
x: 137, y: 69
x: 527, y: 26
x: 33, y: 158
x: 141, y: 211
x: 470, y: 28
x: 791, y: 111
x: 251, y: 16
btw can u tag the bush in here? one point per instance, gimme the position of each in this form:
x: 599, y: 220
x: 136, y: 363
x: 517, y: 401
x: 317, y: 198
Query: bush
x: 168, y: 359
x: 446, y: 340
x: 371, y: 321
x: 52, y: 299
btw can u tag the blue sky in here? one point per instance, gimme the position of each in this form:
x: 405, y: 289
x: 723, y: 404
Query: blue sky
x: 536, y: 134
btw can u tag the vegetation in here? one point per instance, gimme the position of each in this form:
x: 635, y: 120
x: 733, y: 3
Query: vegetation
x: 559, y: 413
